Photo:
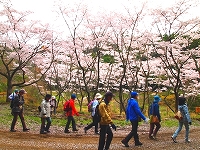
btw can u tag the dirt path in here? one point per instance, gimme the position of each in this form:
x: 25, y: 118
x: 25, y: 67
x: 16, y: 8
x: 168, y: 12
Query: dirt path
x: 80, y: 141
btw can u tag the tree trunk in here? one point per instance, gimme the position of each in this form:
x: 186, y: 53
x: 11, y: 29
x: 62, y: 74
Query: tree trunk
x: 9, y: 89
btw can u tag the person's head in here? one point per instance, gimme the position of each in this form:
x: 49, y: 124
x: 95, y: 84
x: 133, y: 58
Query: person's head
x: 156, y: 99
x: 53, y: 97
x: 16, y: 91
x: 73, y: 96
x: 47, y: 97
x: 181, y: 100
x: 22, y: 91
x: 134, y: 95
x: 108, y: 97
x: 98, y: 96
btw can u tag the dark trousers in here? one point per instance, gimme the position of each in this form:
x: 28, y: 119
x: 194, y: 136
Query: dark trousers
x: 133, y: 133
x: 105, y: 129
x: 69, y: 120
x: 152, y: 131
x: 15, y: 116
x: 43, y: 127
x: 94, y: 123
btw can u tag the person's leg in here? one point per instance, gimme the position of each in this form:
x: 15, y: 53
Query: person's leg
x: 102, y: 137
x: 48, y: 119
x: 177, y: 131
x: 21, y: 116
x: 12, y: 128
x: 69, y: 119
x: 90, y: 125
x: 74, y: 124
x: 186, y: 131
x: 135, y: 134
x: 151, y: 130
x: 42, y: 128
x: 130, y: 135
x: 156, y: 129
x: 96, y: 125
x: 109, y: 137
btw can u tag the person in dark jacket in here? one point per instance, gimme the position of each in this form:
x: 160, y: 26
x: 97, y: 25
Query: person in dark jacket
x: 132, y: 113
x: 17, y: 110
x: 154, y: 110
x: 186, y: 120
x: 70, y: 114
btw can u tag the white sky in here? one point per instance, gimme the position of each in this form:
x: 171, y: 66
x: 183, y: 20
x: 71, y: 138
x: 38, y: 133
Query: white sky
x: 44, y: 10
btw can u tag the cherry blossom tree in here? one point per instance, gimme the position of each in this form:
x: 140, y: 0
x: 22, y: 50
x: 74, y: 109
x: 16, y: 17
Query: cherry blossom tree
x: 25, y: 56
x: 172, y: 44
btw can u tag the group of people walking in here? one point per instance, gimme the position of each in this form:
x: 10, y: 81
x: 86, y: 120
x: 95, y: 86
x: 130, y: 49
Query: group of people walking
x: 133, y: 113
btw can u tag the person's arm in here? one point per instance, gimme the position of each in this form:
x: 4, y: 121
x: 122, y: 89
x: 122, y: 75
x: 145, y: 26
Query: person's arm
x: 187, y: 115
x: 138, y: 111
x: 72, y: 105
x: 157, y: 111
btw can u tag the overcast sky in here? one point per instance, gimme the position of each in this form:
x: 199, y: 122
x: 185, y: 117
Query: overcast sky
x: 44, y: 10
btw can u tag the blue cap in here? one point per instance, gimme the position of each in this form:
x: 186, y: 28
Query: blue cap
x: 73, y: 96
x: 134, y: 94
x: 157, y: 98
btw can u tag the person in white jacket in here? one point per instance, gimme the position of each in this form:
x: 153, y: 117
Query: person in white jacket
x: 45, y: 114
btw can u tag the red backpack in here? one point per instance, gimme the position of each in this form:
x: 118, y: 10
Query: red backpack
x: 66, y: 106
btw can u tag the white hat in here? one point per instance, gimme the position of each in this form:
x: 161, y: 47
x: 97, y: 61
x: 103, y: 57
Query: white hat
x: 53, y: 97
x: 98, y: 96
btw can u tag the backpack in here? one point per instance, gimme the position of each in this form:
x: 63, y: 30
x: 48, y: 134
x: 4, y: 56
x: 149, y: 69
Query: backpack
x: 90, y: 106
x: 66, y: 107
x: 11, y: 100
x: 97, y: 116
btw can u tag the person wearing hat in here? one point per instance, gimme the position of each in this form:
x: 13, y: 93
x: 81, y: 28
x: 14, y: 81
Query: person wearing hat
x: 17, y: 110
x: 45, y: 114
x: 94, y: 123
x: 72, y: 111
x: 105, y: 122
x: 154, y: 111
x: 186, y: 120
x: 53, y: 104
x: 132, y: 113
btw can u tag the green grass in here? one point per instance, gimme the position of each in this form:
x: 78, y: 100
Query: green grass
x: 32, y: 117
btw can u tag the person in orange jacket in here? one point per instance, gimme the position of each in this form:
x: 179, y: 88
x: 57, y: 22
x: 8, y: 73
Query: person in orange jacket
x: 70, y: 112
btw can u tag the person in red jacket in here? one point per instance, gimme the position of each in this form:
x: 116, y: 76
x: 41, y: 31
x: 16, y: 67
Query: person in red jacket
x: 70, y: 113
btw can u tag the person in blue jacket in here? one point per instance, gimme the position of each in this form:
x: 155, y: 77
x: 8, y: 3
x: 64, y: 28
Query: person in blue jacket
x: 132, y: 113
x: 154, y: 110
x: 186, y: 120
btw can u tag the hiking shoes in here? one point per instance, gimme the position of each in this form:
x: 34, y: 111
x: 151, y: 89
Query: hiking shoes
x: 138, y: 144
x: 13, y: 130
x: 43, y: 132
x: 25, y: 130
x: 174, y: 139
x: 67, y: 131
x: 125, y: 143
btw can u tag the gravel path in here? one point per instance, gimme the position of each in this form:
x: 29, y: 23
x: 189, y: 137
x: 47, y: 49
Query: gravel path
x: 80, y: 141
